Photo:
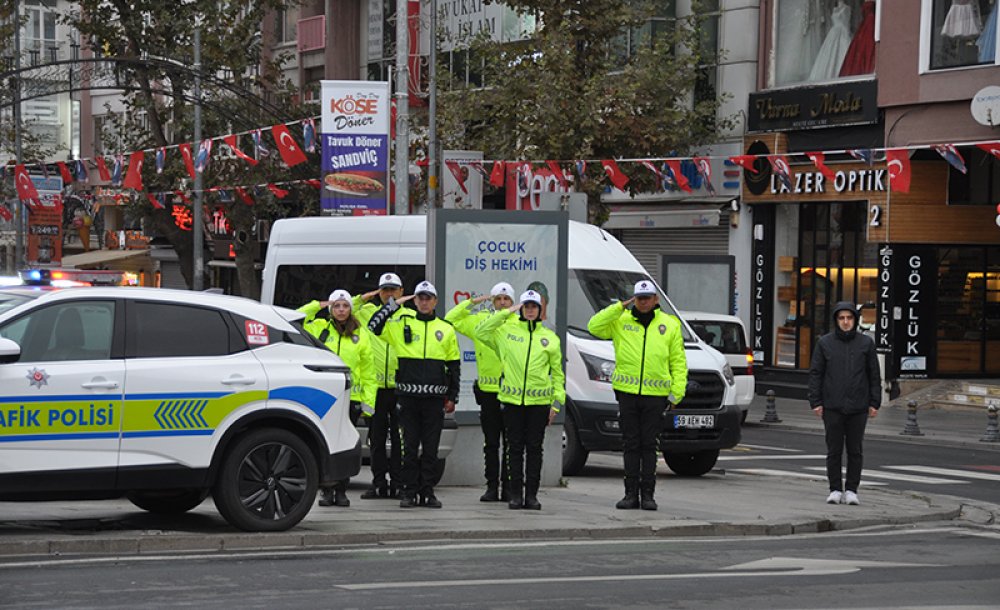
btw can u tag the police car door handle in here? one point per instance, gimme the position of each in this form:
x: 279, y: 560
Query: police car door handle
x: 239, y: 380
x: 99, y: 383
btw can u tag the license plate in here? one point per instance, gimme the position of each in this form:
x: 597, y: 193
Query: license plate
x: 694, y: 421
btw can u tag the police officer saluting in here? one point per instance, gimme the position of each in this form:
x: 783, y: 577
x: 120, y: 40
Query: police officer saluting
x: 531, y: 390
x: 650, y: 374
x: 427, y: 384
x: 487, y: 386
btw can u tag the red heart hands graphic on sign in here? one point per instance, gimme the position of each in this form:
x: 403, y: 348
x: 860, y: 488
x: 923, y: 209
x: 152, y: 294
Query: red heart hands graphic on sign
x: 460, y: 296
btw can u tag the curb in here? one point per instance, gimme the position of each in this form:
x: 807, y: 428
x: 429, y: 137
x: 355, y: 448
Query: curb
x: 291, y: 541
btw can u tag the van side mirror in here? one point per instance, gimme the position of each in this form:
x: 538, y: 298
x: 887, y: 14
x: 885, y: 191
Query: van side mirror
x: 10, y: 351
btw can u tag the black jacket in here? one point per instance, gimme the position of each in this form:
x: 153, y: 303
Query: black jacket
x: 844, y: 375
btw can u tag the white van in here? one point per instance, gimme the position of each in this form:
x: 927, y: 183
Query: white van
x: 727, y: 334
x: 309, y: 257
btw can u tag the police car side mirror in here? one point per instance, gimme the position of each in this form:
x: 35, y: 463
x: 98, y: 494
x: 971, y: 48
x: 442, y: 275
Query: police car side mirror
x: 10, y: 351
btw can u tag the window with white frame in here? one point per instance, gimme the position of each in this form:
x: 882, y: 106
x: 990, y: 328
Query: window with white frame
x: 962, y: 33
x: 822, y: 40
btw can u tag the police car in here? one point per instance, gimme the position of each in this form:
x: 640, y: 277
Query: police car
x: 165, y: 396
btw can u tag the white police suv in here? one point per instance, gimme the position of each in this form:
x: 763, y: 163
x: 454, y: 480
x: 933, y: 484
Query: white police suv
x: 165, y: 396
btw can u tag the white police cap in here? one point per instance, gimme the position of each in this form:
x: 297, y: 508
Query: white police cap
x: 530, y: 296
x: 643, y: 288
x: 340, y: 295
x: 390, y: 280
x: 426, y: 287
x: 503, y: 288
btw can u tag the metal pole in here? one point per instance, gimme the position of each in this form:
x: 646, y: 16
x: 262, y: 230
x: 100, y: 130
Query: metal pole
x: 402, y: 110
x: 19, y: 258
x: 198, y: 281
x: 432, y: 168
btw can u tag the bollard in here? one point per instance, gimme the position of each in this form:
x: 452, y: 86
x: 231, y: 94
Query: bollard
x: 911, y: 428
x: 992, y: 431
x: 770, y: 411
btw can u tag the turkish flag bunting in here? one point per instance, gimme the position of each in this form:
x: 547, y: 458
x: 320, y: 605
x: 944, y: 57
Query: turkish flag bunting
x: 478, y: 166
x: 656, y: 171
x: 291, y: 154
x: 704, y: 166
x: 746, y: 162
x: 679, y: 178
x: 244, y: 196
x: 818, y: 160
x: 779, y: 165
x: 188, y: 159
x: 991, y: 147
x: 26, y: 191
x: 5, y: 213
x: 156, y: 203
x: 314, y: 183
x: 497, y: 175
x: 897, y: 160
x: 231, y: 143
x: 102, y: 169
x: 279, y: 192
x: 557, y: 171
x: 183, y: 197
x: 456, y: 170
x: 951, y: 155
x: 615, y: 174
x: 133, y: 177
x: 64, y: 172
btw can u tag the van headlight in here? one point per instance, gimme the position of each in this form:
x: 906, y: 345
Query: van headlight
x: 598, y: 369
x: 727, y: 372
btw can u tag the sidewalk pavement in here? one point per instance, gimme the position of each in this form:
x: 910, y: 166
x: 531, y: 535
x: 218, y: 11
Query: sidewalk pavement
x: 716, y: 504
x: 941, y: 425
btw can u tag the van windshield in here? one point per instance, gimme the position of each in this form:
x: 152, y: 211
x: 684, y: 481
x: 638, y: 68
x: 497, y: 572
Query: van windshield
x: 727, y: 337
x: 591, y: 290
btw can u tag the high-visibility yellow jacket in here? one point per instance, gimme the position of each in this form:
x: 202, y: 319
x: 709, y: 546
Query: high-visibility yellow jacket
x: 487, y: 361
x: 427, y: 348
x: 649, y: 360
x: 384, y: 355
x: 531, y: 357
x: 355, y: 350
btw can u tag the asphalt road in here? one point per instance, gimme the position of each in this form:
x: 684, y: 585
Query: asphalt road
x: 940, y: 566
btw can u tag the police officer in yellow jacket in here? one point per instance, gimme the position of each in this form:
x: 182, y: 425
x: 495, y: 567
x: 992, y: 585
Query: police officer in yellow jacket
x: 650, y: 374
x: 486, y: 387
x: 348, y: 339
x: 427, y: 384
x: 384, y: 424
x: 531, y: 391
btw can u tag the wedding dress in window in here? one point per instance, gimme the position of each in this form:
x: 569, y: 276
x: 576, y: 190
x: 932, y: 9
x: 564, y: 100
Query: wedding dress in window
x: 799, y: 38
x: 838, y: 39
x: 962, y: 20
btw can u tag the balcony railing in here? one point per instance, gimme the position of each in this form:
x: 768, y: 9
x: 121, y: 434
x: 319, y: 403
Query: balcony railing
x: 312, y: 33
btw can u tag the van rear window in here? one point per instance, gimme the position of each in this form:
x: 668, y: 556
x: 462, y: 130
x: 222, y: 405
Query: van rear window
x: 727, y: 337
x: 296, y: 285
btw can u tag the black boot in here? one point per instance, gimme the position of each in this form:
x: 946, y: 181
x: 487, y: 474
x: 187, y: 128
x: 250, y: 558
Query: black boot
x: 340, y: 495
x: 631, y: 499
x: 531, y: 496
x: 326, y: 496
x: 647, y: 488
x: 407, y: 500
x: 492, y: 493
x: 429, y: 500
x: 515, y: 491
x: 377, y: 490
x: 504, y: 494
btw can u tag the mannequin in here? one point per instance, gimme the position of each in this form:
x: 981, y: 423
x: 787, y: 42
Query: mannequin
x: 838, y: 39
x: 962, y: 20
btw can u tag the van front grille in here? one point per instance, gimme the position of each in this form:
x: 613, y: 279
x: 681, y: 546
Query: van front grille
x: 705, y: 390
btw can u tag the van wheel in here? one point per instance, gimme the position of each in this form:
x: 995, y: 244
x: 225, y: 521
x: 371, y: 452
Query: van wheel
x: 575, y: 455
x: 267, y: 481
x: 167, y: 501
x: 743, y: 417
x: 691, y: 464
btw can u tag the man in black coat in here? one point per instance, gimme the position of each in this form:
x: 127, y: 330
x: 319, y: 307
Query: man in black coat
x: 845, y: 389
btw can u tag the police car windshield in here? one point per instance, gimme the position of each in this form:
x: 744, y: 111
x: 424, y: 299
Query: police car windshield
x: 10, y: 300
x: 591, y: 290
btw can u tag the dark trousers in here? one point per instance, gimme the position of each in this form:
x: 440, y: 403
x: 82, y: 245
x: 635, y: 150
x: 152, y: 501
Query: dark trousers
x: 494, y: 437
x: 384, y: 425
x: 422, y: 418
x: 525, y: 427
x: 640, y: 419
x: 844, y: 430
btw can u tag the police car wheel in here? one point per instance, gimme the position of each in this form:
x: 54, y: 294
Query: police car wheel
x: 267, y: 482
x: 692, y: 464
x: 167, y: 501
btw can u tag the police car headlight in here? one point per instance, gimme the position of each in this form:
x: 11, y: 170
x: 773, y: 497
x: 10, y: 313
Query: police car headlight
x: 347, y: 381
x: 598, y: 369
x: 727, y: 372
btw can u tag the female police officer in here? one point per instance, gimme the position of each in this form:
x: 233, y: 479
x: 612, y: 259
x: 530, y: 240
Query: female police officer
x: 348, y: 339
x: 531, y: 390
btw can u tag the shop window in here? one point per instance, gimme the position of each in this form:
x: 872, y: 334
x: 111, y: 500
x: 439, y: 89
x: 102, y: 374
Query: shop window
x: 823, y: 40
x: 980, y: 184
x: 968, y: 308
x: 963, y: 33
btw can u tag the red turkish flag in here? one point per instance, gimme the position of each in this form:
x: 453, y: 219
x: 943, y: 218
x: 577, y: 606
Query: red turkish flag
x: 26, y: 191
x: 497, y: 175
x: 231, y: 143
x: 244, y: 196
x: 154, y: 201
x: 681, y: 179
x: 280, y: 193
x: 456, y: 170
x: 746, y: 162
x: 188, y: 159
x: 557, y: 171
x: 818, y: 160
x: 315, y: 184
x: 991, y: 147
x: 897, y: 160
x: 615, y: 174
x: 5, y: 213
x: 133, y: 177
x: 102, y: 169
x: 291, y: 154
x: 64, y: 171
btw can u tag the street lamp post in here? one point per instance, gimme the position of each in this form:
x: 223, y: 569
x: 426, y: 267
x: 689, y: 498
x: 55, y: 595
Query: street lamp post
x: 432, y: 169
x: 402, y: 110
x: 198, y: 238
x: 19, y: 258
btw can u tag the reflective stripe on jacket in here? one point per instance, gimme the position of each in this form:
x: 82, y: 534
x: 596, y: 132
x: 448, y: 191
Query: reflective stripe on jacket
x: 649, y: 360
x: 531, y: 357
x: 355, y: 350
x: 487, y: 362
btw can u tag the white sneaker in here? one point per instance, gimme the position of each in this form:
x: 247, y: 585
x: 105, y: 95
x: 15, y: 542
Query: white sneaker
x: 835, y: 497
x: 851, y: 498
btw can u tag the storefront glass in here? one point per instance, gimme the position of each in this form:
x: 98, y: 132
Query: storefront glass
x: 963, y: 33
x: 823, y: 40
x: 968, y: 310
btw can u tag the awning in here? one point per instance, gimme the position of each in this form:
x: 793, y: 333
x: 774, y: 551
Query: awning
x: 89, y: 260
x: 230, y: 264
x: 669, y: 216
